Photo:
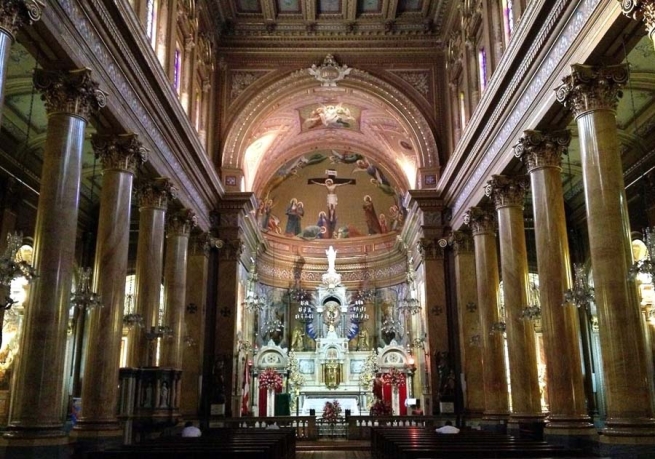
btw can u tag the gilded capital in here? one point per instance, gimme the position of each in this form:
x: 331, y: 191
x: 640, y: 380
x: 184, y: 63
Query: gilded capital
x: 15, y: 14
x: 156, y: 193
x: 481, y: 221
x: 507, y: 191
x: 641, y: 10
x: 231, y: 250
x: 72, y: 92
x: 542, y: 149
x: 589, y: 88
x: 121, y: 152
x: 430, y: 249
x: 181, y: 223
x: 462, y: 242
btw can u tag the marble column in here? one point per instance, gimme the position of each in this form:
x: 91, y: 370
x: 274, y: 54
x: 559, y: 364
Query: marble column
x: 153, y: 203
x: 641, y: 10
x: 592, y: 94
x: 542, y: 154
x: 508, y: 194
x: 178, y: 230
x: 14, y: 14
x: 36, y: 409
x: 470, y: 341
x: 194, y: 317
x: 121, y: 155
x: 483, y: 227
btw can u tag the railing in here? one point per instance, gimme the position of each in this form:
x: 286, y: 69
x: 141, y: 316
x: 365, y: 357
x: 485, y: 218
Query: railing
x: 311, y: 428
x: 305, y: 425
x: 359, y: 427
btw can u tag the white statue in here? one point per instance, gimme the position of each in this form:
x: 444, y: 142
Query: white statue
x: 332, y: 256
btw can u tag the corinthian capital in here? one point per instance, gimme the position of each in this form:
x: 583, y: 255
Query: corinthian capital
x: 481, y: 221
x: 507, y: 191
x: 462, y: 242
x: 641, y: 10
x: 72, y: 92
x: 542, y: 149
x: 181, y: 223
x: 121, y: 152
x: 156, y: 193
x: 589, y: 88
x: 15, y: 14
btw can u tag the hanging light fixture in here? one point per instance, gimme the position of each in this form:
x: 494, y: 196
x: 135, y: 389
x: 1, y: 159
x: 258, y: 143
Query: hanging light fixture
x: 132, y: 319
x: 647, y: 265
x: 581, y: 294
x: 83, y: 297
x: 533, y: 310
x: 357, y: 308
x: 409, y: 304
x: 305, y: 312
x: 12, y: 266
x: 253, y: 302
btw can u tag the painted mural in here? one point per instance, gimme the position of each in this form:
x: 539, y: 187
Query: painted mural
x: 339, y: 116
x: 330, y: 195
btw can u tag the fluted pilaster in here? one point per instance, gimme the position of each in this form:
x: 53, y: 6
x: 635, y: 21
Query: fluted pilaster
x: 483, y: 226
x: 629, y: 404
x: 38, y: 391
x: 178, y: 230
x: 154, y: 197
x: 542, y: 153
x: 508, y: 194
x: 120, y: 156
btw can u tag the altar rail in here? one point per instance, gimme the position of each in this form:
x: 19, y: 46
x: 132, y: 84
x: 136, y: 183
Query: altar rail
x: 305, y: 425
x: 359, y: 427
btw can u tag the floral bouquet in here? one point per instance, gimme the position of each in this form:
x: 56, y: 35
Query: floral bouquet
x: 331, y: 411
x: 381, y: 408
x: 270, y: 379
x: 394, y: 378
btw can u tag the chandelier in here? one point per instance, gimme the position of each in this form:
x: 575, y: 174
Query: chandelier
x: 84, y: 297
x: 647, y: 265
x: 160, y: 331
x: 389, y: 326
x: 581, y: 295
x: 357, y: 308
x: 252, y: 301
x: 132, y: 319
x: 498, y: 328
x: 10, y: 269
x: 272, y: 326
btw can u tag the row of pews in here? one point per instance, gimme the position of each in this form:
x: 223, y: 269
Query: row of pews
x: 422, y: 443
x: 215, y: 443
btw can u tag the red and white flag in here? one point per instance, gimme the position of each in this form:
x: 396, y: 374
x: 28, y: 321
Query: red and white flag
x: 245, y: 390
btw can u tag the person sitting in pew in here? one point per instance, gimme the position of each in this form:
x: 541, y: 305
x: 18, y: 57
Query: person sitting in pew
x: 448, y: 428
x: 190, y: 430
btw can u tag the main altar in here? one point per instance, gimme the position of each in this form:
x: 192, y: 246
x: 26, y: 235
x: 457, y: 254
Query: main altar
x: 329, y: 355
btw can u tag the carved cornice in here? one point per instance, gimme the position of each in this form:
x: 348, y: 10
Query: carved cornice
x: 542, y: 149
x: 123, y: 152
x: 462, y: 243
x: 230, y: 209
x: 156, y: 193
x: 181, y: 223
x: 481, y: 221
x: 15, y: 14
x: 507, y: 191
x: 641, y: 10
x: 73, y: 92
x: 589, y: 88
x: 430, y: 249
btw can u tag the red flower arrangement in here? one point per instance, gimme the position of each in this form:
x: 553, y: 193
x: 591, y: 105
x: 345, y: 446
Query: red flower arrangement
x: 381, y: 408
x: 331, y: 411
x: 394, y: 378
x: 270, y: 379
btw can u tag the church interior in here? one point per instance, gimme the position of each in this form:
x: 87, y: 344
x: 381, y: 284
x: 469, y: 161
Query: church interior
x: 326, y: 213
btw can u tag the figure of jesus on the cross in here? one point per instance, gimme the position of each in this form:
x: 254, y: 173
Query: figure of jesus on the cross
x: 331, y: 183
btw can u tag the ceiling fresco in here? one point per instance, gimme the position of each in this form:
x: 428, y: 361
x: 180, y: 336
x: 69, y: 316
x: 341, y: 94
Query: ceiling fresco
x: 330, y: 194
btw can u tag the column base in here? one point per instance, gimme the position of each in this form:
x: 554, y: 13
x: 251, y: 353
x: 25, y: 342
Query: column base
x: 35, y: 448
x: 84, y: 441
x: 526, y: 425
x: 626, y: 446
x: 494, y: 425
x: 629, y: 427
x: 584, y: 438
